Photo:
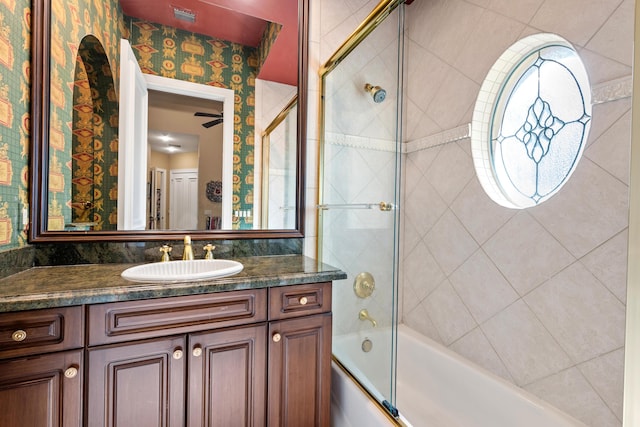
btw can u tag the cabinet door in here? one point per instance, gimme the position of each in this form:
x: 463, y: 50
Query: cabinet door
x: 42, y: 391
x: 299, y: 371
x: 140, y: 384
x: 227, y: 377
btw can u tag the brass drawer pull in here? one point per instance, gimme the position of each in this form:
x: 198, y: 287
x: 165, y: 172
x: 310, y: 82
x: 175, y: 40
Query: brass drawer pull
x: 177, y: 354
x: 277, y: 337
x: 71, y: 372
x: 303, y: 300
x: 197, y: 351
x: 19, y: 335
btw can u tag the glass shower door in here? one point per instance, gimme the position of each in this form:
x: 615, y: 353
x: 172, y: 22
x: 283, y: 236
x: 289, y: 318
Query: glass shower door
x: 359, y: 194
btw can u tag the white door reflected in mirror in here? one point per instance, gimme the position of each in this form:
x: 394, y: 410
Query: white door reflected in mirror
x: 132, y: 154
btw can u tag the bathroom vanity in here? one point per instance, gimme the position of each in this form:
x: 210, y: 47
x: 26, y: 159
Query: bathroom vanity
x: 79, y: 345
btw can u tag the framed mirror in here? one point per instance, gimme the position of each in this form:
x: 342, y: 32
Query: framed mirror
x: 79, y: 148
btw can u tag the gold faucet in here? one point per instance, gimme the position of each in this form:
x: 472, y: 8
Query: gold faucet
x: 165, y: 249
x: 209, y: 249
x: 188, y: 250
x: 364, y: 315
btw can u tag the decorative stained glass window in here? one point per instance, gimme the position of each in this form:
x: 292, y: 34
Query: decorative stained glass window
x: 531, y: 121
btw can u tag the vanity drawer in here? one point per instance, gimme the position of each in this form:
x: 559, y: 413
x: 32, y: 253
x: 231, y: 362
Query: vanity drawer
x: 299, y: 300
x: 31, y: 332
x: 134, y: 320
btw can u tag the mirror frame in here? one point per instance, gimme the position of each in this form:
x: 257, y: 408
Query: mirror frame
x: 39, y: 148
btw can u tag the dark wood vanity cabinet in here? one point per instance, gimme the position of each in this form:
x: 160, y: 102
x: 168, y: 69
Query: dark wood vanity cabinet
x: 243, y: 358
x: 41, y: 368
x: 299, y: 355
x: 256, y: 357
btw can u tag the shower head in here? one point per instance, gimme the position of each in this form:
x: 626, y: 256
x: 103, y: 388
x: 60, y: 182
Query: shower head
x: 376, y: 92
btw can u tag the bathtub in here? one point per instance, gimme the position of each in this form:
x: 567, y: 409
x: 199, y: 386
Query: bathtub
x: 436, y: 387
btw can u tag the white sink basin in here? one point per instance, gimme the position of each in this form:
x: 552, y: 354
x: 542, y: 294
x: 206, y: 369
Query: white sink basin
x: 182, y: 271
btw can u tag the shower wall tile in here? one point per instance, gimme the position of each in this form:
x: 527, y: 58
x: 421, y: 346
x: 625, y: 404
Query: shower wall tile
x: 610, y: 153
x: 481, y: 3
x: 605, y: 115
x: 424, y: 159
x: 585, y: 21
x: 525, y: 346
x: 579, y: 236
x: 440, y: 304
x: 591, y: 200
x: 482, y: 287
x: 521, y: 10
x: 450, y: 172
x: 612, y: 274
x: 411, y: 174
x: 580, y: 312
x: 616, y: 28
x: 422, y: 272
x: 448, y: 27
x: 606, y: 374
x: 332, y: 15
x: 526, y: 253
x: 602, y: 69
x: 424, y: 89
x: 450, y: 243
x: 418, y: 319
x: 476, y: 348
x: 571, y: 392
x: 481, y: 216
x: 454, y: 100
x: 418, y: 123
x: 424, y: 207
x: 410, y: 301
x: 409, y: 242
x: 483, y: 47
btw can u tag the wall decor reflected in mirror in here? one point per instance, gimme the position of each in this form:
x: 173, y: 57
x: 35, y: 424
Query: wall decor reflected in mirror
x: 139, y: 111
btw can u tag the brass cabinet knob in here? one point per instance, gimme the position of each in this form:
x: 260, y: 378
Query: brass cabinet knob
x: 71, y: 372
x: 303, y: 301
x: 277, y: 337
x: 19, y: 335
x: 197, y: 351
x: 177, y: 354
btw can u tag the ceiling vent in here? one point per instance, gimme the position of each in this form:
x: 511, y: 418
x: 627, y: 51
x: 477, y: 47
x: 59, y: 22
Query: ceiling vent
x: 184, y: 15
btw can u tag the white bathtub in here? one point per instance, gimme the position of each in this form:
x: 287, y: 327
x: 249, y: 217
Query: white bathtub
x: 438, y: 388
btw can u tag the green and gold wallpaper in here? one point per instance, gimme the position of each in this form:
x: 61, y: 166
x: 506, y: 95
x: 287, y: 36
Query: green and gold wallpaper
x: 15, y: 21
x: 269, y: 37
x: 178, y: 54
x: 165, y: 51
x: 85, y: 43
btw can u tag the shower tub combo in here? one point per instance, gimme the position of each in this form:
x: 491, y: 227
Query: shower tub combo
x: 437, y: 387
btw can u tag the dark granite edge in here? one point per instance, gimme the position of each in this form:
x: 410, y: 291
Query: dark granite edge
x: 138, y: 291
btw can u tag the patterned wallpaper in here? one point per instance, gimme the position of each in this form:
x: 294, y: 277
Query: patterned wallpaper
x: 84, y: 118
x: 94, y: 177
x: 165, y: 51
x: 15, y: 19
x: 173, y: 53
x: 269, y: 37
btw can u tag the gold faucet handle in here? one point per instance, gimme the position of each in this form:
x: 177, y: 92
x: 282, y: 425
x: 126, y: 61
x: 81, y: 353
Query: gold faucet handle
x: 209, y: 249
x: 165, y: 249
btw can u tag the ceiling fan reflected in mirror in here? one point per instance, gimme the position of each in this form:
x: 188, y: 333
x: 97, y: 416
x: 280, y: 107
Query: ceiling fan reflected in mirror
x: 216, y: 121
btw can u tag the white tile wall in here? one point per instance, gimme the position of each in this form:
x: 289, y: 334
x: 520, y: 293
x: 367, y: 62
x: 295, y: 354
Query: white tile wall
x: 535, y: 296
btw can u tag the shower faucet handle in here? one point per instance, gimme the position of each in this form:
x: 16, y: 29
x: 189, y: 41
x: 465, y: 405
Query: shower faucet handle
x: 364, y: 315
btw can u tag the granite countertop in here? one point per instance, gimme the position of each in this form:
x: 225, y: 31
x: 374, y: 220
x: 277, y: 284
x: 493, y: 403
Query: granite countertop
x: 47, y: 287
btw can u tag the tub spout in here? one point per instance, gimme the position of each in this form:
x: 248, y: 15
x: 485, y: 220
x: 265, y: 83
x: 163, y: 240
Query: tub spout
x: 364, y: 315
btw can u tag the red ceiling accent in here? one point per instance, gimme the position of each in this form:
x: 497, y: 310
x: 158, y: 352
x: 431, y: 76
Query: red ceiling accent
x: 239, y: 21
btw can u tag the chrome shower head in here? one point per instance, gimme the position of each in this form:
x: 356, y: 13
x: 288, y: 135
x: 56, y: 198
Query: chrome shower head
x: 376, y: 92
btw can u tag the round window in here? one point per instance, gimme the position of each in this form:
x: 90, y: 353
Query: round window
x: 531, y: 121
